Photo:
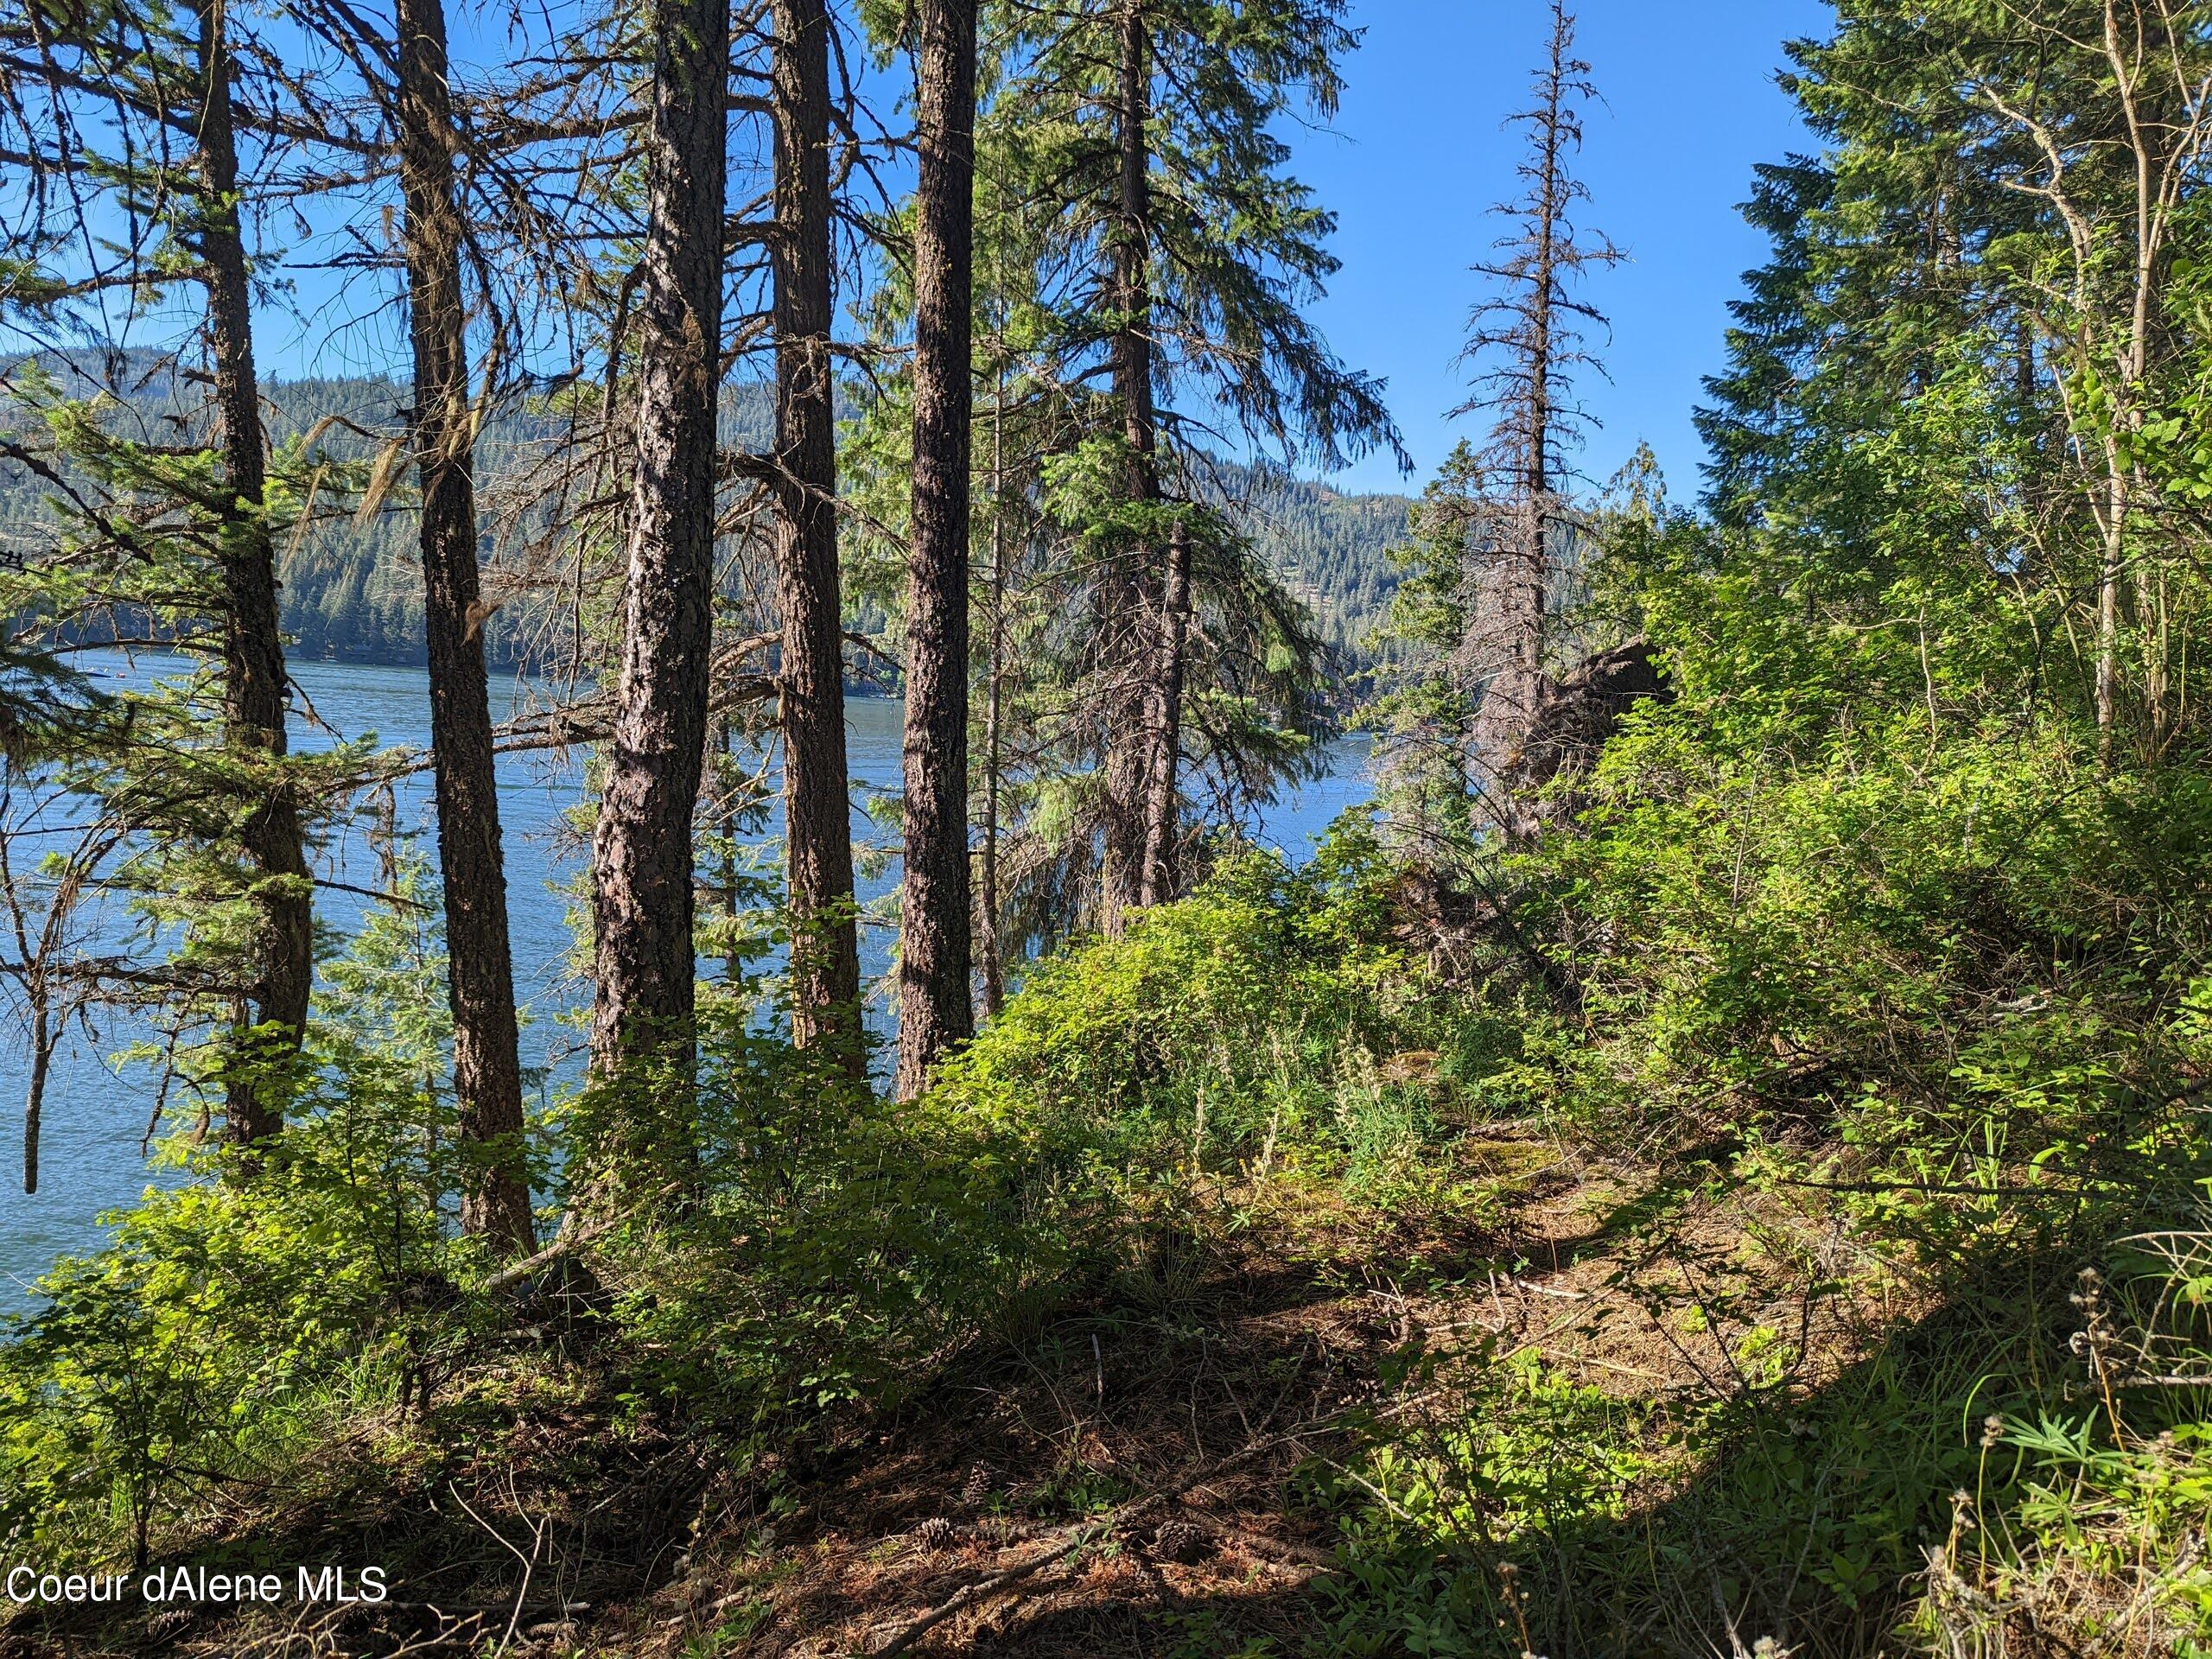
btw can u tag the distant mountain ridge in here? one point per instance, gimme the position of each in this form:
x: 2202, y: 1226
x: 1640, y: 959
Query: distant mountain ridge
x: 353, y: 591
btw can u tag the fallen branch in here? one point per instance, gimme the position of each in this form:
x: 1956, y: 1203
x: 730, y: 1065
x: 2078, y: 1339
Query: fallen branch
x: 567, y: 1242
x: 565, y: 1245
x: 969, y: 1595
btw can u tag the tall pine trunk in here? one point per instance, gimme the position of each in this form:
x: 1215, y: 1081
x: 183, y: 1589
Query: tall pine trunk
x: 936, y: 942
x: 817, y: 826
x: 1129, y: 757
x: 254, y: 686
x: 994, y: 768
x: 1162, y: 814
x: 642, y: 898
x: 486, y: 1063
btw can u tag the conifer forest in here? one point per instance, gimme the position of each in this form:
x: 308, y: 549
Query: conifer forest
x: 1704, y: 1152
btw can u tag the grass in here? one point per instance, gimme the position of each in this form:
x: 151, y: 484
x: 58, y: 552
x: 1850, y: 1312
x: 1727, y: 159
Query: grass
x: 1313, y: 1346
x: 1545, y: 1402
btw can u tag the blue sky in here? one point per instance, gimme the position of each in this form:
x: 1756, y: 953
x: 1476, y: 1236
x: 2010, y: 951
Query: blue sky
x: 1418, y: 154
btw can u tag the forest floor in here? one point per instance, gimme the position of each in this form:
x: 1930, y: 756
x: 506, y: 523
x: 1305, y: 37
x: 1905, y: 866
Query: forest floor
x: 1125, y: 1480
x: 1120, y: 1482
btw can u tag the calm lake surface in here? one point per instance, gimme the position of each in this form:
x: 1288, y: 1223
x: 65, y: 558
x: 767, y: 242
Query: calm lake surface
x: 96, y: 1117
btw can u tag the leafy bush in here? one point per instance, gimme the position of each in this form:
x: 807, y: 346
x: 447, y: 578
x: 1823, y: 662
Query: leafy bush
x: 227, y: 1323
x: 1246, y: 1028
x: 836, y: 1244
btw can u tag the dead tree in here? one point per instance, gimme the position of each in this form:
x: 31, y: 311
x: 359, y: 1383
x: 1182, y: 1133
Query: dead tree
x: 1526, y: 341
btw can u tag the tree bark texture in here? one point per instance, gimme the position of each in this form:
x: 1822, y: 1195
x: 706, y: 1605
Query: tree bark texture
x: 1163, y: 815
x: 479, y: 979
x: 936, y: 945
x: 254, y: 684
x: 642, y: 897
x: 818, y: 839
x: 1129, y: 747
x: 987, y: 862
x: 34, y: 1100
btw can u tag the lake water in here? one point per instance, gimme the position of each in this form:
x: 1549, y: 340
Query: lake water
x: 96, y: 1119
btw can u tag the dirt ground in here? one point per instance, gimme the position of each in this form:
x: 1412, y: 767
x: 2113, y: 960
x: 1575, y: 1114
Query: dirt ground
x: 1126, y: 1484
x: 1123, y: 1482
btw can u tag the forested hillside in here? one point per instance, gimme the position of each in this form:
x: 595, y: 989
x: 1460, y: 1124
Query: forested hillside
x: 1332, y: 551
x: 352, y: 587
x: 1708, y: 1156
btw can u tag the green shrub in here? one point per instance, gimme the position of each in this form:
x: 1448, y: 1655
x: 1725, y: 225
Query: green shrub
x: 1244, y: 1028
x: 232, y: 1318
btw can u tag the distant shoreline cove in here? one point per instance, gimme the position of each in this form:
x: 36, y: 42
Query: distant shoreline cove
x: 501, y: 663
x: 505, y: 665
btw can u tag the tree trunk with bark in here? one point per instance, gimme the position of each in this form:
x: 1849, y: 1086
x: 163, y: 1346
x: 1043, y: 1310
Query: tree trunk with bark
x: 1163, y: 814
x: 34, y: 1100
x: 994, y: 768
x: 642, y: 897
x: 817, y: 821
x: 936, y: 947
x: 254, y: 684
x: 1129, y: 749
x: 480, y: 977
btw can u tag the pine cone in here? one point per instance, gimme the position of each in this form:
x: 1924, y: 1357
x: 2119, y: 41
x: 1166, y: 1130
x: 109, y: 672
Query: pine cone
x: 1177, y: 1541
x: 934, y: 1534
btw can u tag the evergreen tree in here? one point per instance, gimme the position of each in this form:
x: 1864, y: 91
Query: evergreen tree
x: 935, y: 950
x: 1180, y: 252
x: 818, y: 811
x: 642, y: 846
x: 1996, y: 221
x: 487, y: 1042
x: 103, y: 103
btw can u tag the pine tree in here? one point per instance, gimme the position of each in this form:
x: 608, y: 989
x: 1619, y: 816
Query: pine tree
x: 642, y: 846
x: 935, y: 952
x: 1179, y: 254
x: 1527, y: 339
x: 817, y: 823
x: 1993, y: 225
x: 100, y: 104
x: 486, y: 1058
x: 255, y: 691
x: 1022, y: 417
